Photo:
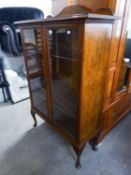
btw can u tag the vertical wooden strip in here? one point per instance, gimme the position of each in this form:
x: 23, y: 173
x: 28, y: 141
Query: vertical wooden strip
x: 46, y: 62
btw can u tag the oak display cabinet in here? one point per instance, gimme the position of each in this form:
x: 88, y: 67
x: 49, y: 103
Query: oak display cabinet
x: 67, y: 59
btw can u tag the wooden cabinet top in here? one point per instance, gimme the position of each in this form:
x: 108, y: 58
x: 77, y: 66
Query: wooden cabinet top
x: 74, y: 13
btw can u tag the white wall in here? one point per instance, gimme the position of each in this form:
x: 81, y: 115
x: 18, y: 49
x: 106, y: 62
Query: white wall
x: 57, y: 6
x: 129, y: 26
x: 45, y: 5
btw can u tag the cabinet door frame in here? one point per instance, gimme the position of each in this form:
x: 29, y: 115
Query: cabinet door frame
x: 65, y: 25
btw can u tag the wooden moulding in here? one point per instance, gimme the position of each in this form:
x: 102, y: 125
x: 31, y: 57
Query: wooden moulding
x: 74, y: 12
x: 81, y: 10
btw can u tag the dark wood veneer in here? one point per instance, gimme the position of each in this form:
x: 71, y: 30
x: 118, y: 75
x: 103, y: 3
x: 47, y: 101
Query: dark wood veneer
x: 81, y: 57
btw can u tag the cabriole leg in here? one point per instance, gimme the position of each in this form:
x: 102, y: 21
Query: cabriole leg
x: 34, y: 118
x: 78, y: 163
x: 78, y: 152
x: 93, y: 144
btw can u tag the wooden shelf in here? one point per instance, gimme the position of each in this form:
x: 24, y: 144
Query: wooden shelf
x: 35, y: 74
x: 64, y: 58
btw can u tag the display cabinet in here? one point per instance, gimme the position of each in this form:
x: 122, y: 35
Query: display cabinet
x: 67, y: 59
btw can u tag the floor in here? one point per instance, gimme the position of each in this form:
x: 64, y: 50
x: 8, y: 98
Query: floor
x: 39, y: 151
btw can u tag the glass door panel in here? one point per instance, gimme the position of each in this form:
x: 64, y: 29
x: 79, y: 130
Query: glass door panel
x: 128, y: 57
x: 123, y: 77
x: 65, y: 57
x: 35, y: 68
x: 33, y: 45
x: 39, y: 96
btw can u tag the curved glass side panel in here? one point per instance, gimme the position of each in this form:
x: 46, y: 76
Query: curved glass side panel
x: 35, y: 68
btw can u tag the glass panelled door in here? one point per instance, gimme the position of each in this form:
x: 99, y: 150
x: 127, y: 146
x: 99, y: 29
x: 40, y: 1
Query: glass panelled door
x: 35, y: 68
x: 125, y: 70
x: 64, y: 61
x: 123, y: 76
